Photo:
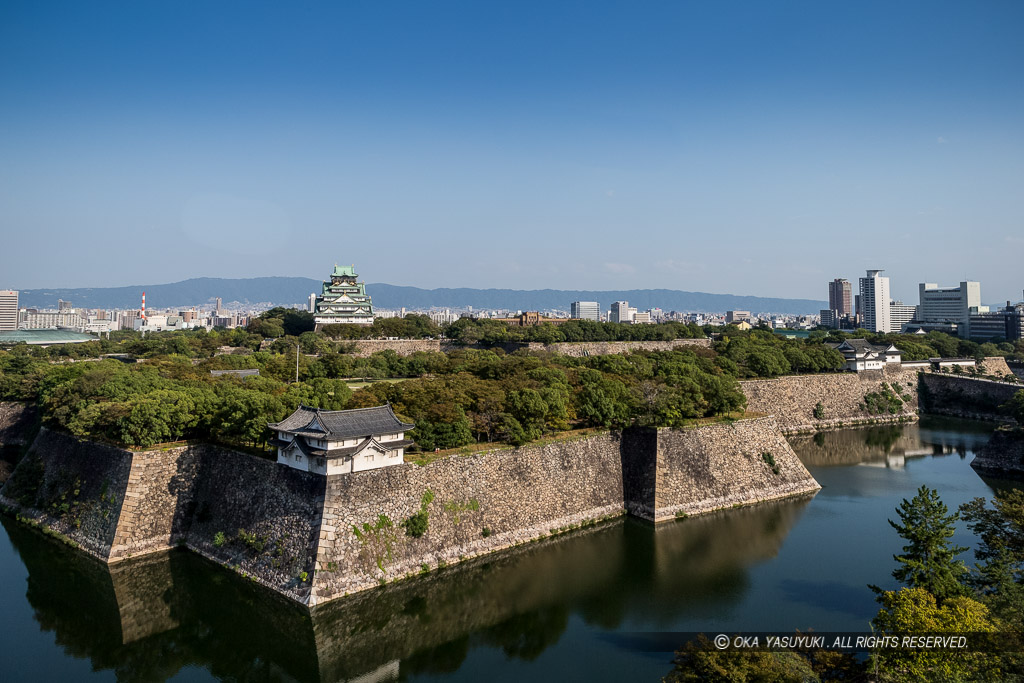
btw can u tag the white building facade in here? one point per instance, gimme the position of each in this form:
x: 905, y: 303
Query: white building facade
x: 333, y: 442
x: 874, y: 302
x: 585, y: 310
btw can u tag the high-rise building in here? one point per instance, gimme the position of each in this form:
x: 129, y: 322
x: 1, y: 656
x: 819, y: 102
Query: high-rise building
x: 874, y: 302
x: 585, y: 310
x: 900, y: 314
x: 621, y: 312
x: 63, y: 306
x: 217, y: 310
x: 312, y: 303
x: 840, y: 296
x: 948, y: 304
x: 8, y: 310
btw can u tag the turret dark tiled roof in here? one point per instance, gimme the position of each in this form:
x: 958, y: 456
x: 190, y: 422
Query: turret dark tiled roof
x: 343, y: 424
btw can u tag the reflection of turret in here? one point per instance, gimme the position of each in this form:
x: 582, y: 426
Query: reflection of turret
x: 884, y: 445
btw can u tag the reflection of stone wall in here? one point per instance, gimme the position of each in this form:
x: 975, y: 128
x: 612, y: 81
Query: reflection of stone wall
x: 792, y: 400
x: 1003, y: 455
x: 718, y: 466
x: 140, y: 590
x: 73, y: 487
x: 947, y: 394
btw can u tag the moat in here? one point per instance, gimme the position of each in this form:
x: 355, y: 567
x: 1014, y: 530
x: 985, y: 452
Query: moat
x: 563, y: 608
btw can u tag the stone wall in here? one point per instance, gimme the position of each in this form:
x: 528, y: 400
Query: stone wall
x: 995, y: 365
x: 960, y: 396
x: 481, y: 503
x: 296, y: 532
x: 405, y: 347
x: 268, y: 516
x: 16, y: 420
x: 73, y: 487
x: 792, y: 400
x: 724, y: 465
x: 1003, y: 455
x: 495, y: 500
x: 582, y: 349
x: 154, y: 514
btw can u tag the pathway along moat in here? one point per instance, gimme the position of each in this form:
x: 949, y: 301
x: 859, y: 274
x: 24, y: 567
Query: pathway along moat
x: 555, y: 610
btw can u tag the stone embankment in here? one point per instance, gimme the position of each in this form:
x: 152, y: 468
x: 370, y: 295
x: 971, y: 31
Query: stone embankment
x: 964, y: 396
x: 995, y: 365
x: 482, y: 503
x: 1003, y: 455
x: 406, y: 347
x: 242, y: 511
x: 795, y: 400
x: 317, y: 538
x: 16, y: 420
x: 725, y: 465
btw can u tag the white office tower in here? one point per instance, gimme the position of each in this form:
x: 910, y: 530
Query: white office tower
x: 8, y: 310
x: 585, y: 310
x: 874, y: 301
x: 621, y: 312
x: 948, y: 304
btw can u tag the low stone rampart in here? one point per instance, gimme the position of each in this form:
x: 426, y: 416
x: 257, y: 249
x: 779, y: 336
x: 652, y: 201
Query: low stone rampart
x: 583, y: 349
x: 793, y: 400
x: 406, y: 347
x: 724, y: 465
x: 403, y: 347
x: 970, y: 397
x: 995, y: 365
x: 1003, y: 455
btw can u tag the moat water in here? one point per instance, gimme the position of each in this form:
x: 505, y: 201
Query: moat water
x: 563, y: 609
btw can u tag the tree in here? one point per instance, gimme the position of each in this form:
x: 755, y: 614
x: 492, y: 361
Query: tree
x: 916, y: 611
x: 1000, y: 577
x: 929, y: 558
x: 1015, y: 407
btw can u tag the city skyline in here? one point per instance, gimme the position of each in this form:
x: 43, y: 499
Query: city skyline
x: 685, y: 147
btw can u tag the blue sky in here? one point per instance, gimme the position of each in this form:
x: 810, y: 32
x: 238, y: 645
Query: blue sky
x: 736, y: 147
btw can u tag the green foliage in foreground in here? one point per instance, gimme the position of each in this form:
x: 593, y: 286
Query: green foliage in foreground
x: 939, y: 597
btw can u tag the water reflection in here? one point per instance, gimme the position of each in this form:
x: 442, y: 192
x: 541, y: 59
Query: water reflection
x: 150, y: 618
x: 891, y: 445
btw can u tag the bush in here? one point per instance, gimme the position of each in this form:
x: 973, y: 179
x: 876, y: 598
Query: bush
x: 219, y: 539
x: 416, y: 525
x: 769, y: 459
x: 819, y: 411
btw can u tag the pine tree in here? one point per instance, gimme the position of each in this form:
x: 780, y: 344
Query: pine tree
x: 929, y: 558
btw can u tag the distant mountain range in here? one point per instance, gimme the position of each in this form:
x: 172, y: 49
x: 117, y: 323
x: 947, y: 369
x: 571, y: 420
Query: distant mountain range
x: 289, y: 291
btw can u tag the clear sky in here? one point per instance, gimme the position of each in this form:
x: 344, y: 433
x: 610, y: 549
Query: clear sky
x: 734, y: 147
